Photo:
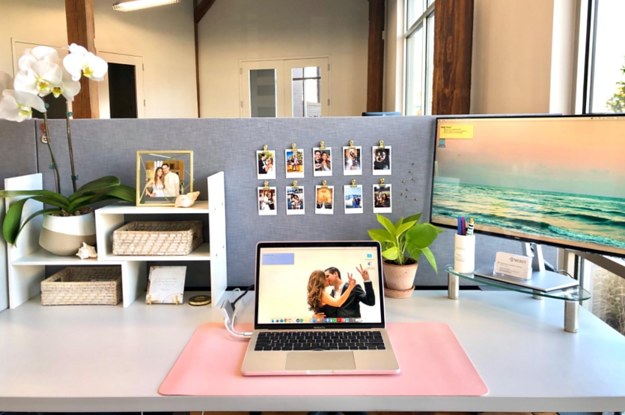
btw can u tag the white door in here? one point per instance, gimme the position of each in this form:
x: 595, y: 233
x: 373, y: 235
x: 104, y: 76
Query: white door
x: 285, y: 88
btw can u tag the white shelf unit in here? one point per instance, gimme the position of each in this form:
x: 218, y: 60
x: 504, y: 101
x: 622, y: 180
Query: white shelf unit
x: 26, y: 260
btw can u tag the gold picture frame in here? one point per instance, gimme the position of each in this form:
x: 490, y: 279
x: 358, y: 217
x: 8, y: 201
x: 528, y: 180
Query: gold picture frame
x: 162, y: 175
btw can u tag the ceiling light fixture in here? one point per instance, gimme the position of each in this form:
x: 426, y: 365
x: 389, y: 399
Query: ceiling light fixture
x: 132, y: 5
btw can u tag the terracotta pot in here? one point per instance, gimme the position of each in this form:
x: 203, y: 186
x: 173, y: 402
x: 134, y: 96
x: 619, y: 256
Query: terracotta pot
x: 63, y: 235
x: 399, y: 279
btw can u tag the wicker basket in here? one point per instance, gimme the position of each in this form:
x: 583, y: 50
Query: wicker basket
x: 157, y: 238
x: 83, y: 285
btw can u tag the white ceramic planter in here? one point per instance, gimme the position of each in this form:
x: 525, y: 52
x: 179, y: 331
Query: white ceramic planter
x: 63, y: 235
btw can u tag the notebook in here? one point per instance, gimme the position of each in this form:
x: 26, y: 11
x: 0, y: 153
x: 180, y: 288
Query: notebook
x: 283, y: 270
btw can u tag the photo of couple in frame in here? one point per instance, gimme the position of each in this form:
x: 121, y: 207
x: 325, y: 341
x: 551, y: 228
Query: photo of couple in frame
x: 163, y: 175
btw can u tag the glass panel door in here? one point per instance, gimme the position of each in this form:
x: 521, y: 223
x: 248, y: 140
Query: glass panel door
x: 285, y: 88
x: 263, y: 92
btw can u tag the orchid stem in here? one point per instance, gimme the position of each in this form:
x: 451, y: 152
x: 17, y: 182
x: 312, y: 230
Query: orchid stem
x: 68, y: 116
x: 47, y: 141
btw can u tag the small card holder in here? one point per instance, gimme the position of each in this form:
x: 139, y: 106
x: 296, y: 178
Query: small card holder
x: 511, y: 265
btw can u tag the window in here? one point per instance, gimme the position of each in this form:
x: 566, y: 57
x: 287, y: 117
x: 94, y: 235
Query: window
x: 305, y: 91
x: 285, y: 88
x: 604, y: 63
x: 419, y: 56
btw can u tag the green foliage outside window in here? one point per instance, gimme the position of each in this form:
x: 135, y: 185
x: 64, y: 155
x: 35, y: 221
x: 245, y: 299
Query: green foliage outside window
x: 617, y: 102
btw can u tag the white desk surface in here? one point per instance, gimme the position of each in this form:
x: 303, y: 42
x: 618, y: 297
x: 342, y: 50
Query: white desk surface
x: 104, y: 358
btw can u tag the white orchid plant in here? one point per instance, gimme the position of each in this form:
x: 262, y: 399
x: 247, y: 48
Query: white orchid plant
x: 41, y: 73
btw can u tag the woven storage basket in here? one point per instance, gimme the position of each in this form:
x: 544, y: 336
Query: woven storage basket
x: 83, y: 285
x: 157, y: 238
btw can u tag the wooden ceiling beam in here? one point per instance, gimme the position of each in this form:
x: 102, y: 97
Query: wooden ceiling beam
x: 81, y: 30
x: 201, y: 8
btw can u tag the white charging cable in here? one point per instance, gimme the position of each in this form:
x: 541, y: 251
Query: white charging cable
x: 229, y: 316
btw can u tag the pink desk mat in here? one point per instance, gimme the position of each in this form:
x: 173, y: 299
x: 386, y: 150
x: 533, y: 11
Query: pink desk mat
x: 432, y: 363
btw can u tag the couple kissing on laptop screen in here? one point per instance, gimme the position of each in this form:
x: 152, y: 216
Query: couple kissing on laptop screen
x: 330, y: 297
x: 312, y: 285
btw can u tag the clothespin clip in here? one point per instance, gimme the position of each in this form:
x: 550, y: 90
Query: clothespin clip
x: 266, y: 185
x: 381, y: 144
x: 351, y: 143
x: 294, y: 147
x: 381, y: 182
x: 322, y: 145
x: 294, y: 183
x: 354, y: 183
x: 324, y: 183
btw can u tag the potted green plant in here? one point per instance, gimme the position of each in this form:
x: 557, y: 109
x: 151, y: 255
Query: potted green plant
x: 403, y: 243
x: 40, y: 74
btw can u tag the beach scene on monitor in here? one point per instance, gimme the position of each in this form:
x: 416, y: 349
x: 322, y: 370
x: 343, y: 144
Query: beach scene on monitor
x: 558, y: 181
x: 312, y: 285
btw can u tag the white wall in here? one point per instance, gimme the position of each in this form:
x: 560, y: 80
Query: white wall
x: 511, y: 56
x: 163, y: 37
x: 236, y: 30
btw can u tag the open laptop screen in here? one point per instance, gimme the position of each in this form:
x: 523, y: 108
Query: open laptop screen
x: 283, y: 270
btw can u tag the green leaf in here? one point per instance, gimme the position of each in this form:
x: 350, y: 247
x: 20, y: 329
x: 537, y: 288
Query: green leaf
x: 381, y: 235
x: 403, y: 227
x: 391, y: 253
x: 12, y: 219
x: 99, y: 184
x: 429, y: 255
x: 45, y: 196
x: 422, y: 235
x: 386, y: 223
x: 416, y: 217
x: 34, y: 215
x: 123, y: 192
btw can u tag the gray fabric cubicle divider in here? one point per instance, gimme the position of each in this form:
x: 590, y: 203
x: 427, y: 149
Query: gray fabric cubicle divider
x: 104, y: 147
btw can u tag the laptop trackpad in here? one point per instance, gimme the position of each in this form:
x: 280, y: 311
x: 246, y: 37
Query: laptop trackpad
x: 320, y: 360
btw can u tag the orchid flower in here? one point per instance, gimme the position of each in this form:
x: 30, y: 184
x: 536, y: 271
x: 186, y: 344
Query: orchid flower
x: 39, y: 71
x: 17, y: 105
x: 80, y: 61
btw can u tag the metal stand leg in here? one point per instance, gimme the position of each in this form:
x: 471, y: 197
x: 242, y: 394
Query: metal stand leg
x: 571, y: 309
x: 452, y: 286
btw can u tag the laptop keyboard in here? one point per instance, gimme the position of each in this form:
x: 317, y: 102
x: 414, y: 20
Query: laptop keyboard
x: 320, y: 340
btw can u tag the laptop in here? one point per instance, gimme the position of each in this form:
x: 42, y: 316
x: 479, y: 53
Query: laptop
x: 282, y: 309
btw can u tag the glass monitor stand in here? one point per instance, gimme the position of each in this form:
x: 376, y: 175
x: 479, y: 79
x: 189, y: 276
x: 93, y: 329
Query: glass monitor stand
x: 572, y: 296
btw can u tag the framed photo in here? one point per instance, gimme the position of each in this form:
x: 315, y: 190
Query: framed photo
x: 324, y: 200
x: 294, y: 162
x: 381, y: 159
x: 266, y: 164
x: 266, y: 200
x: 322, y: 161
x: 295, y: 200
x: 162, y: 175
x: 352, y: 160
x: 382, y: 198
x: 352, y: 198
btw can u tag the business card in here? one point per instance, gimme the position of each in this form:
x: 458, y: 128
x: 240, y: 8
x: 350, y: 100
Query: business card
x: 519, y: 266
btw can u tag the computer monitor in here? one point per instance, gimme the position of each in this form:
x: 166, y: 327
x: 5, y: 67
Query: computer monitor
x: 557, y: 180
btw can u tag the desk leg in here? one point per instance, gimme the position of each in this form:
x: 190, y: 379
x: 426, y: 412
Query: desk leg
x: 453, y: 284
x: 571, y: 309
